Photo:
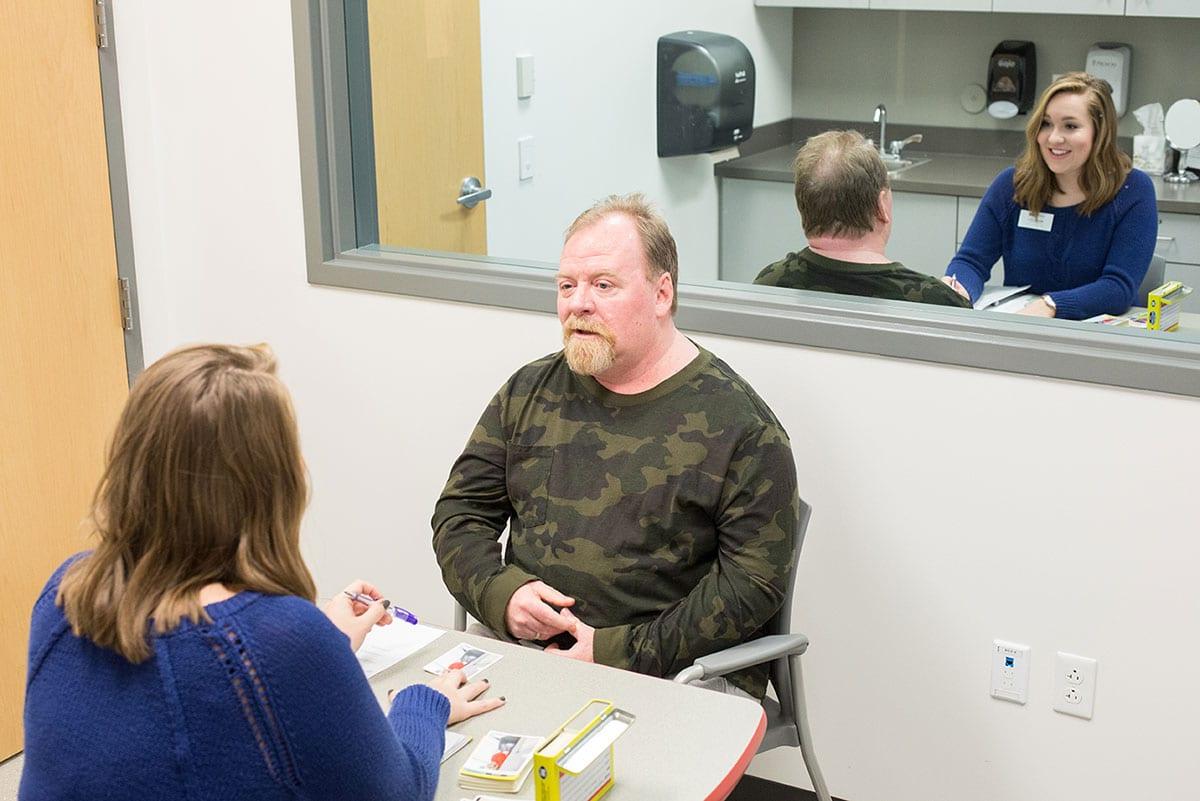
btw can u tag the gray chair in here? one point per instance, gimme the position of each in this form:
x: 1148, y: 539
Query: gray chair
x: 787, y: 718
x: 1155, y: 275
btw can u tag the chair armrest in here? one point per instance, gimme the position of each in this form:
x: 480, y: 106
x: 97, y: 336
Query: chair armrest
x: 755, y: 652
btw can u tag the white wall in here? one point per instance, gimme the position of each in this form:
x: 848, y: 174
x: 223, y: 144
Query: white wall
x: 952, y: 506
x: 918, y: 62
x: 592, y: 115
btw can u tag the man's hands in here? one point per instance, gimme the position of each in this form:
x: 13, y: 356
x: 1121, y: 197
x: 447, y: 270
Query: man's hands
x: 584, y: 634
x: 354, y: 618
x: 530, y: 616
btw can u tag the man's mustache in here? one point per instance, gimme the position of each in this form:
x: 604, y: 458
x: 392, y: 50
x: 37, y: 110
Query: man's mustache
x: 574, y: 323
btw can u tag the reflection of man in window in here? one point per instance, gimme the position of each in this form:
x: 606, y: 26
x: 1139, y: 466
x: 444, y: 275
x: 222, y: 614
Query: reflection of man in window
x: 649, y: 492
x: 845, y: 206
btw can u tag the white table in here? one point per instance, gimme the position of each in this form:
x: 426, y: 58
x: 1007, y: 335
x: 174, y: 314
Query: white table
x: 688, y: 744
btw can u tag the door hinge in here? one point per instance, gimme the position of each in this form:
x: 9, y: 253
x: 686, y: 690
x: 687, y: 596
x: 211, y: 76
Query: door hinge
x: 101, y: 14
x: 126, y: 304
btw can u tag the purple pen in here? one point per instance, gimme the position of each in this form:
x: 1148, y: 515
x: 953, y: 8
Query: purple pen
x: 398, y: 612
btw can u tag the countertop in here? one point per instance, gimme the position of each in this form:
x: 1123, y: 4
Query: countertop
x: 944, y: 174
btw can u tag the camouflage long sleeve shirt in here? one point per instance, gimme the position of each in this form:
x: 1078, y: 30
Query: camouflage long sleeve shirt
x: 893, y: 281
x: 669, y: 515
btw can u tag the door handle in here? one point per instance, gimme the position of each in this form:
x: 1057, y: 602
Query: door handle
x: 471, y: 192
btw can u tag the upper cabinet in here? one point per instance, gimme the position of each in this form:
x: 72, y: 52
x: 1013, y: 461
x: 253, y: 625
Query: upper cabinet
x: 933, y: 5
x: 1130, y: 8
x: 813, y: 3
x: 1162, y: 8
x: 1111, y: 7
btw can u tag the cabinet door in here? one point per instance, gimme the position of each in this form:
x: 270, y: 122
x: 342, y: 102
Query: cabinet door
x: 1113, y: 7
x: 967, y: 206
x: 933, y: 5
x: 1179, y: 244
x: 813, y: 3
x: 1179, y: 238
x: 1163, y: 8
x: 923, y: 231
x: 759, y: 225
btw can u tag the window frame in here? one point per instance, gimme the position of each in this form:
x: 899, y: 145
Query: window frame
x: 859, y: 325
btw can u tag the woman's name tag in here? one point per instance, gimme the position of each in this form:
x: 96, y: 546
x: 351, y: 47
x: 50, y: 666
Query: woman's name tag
x: 1038, y: 222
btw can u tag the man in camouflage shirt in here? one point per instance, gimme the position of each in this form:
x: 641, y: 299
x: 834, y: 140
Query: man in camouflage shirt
x: 845, y: 206
x: 650, y: 494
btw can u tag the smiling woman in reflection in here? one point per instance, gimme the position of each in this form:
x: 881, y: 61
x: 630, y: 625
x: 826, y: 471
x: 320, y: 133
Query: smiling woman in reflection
x: 1072, y: 220
x: 183, y: 658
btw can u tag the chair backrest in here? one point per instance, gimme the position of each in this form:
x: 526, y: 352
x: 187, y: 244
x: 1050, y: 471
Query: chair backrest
x: 1155, y: 275
x: 781, y: 623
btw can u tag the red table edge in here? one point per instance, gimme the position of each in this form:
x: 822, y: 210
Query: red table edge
x: 735, y: 774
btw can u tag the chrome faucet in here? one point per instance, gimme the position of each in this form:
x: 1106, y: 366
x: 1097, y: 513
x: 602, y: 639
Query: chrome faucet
x: 896, y: 149
x: 881, y: 118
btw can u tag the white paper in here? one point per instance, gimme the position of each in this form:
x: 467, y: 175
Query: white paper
x: 993, y: 295
x: 1015, y: 303
x: 454, y: 742
x: 387, y: 645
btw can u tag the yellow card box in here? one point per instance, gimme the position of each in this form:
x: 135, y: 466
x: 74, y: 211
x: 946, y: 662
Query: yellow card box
x: 577, y: 763
x: 1163, y: 306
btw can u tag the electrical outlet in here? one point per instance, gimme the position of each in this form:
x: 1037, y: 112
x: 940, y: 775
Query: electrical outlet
x: 1074, y: 685
x: 1010, y: 671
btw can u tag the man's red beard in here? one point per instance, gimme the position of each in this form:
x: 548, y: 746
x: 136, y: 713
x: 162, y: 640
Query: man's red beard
x: 588, y: 355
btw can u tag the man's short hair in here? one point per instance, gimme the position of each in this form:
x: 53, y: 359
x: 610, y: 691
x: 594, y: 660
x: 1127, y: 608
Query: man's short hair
x: 657, y: 243
x: 838, y: 177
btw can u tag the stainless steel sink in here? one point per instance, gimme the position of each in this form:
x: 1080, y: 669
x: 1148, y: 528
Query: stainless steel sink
x: 897, y: 166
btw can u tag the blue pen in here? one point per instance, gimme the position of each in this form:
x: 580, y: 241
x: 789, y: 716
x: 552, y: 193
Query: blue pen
x: 399, y: 613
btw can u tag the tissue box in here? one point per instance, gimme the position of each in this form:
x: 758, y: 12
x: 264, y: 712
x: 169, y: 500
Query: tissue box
x: 1163, y: 306
x: 1149, y: 153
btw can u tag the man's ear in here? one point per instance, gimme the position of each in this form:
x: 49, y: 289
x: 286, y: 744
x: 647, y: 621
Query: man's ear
x: 664, y: 293
x: 883, y: 209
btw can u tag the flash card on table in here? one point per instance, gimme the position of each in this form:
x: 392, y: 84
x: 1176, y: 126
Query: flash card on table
x: 467, y: 658
x: 500, y: 763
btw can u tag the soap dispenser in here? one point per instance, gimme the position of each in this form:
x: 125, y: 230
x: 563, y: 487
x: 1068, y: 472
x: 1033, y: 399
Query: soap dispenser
x: 1012, y: 79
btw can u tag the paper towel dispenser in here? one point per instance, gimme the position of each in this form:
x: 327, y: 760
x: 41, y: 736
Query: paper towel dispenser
x: 705, y: 92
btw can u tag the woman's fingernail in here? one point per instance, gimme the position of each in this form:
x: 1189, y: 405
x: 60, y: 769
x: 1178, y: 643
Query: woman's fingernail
x: 502, y: 698
x: 485, y: 681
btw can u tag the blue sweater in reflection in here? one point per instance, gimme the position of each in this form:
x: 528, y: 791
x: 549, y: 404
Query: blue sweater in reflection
x: 1088, y: 265
x: 266, y: 702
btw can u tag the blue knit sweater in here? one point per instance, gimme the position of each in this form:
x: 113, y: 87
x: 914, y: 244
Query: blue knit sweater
x: 266, y: 702
x: 1088, y: 265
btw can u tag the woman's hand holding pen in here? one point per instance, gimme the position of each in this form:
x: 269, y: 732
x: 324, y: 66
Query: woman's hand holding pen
x: 464, y: 696
x: 355, y: 618
x: 952, y: 282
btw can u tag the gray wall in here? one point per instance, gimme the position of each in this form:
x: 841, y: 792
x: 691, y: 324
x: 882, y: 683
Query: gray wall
x: 918, y: 62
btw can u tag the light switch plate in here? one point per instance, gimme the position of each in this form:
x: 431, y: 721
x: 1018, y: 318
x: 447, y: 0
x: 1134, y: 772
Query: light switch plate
x: 1010, y: 671
x: 525, y: 158
x: 524, y: 76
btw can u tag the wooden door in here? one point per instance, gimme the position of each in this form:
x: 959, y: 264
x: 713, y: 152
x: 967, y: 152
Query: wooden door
x: 427, y: 103
x: 62, y: 353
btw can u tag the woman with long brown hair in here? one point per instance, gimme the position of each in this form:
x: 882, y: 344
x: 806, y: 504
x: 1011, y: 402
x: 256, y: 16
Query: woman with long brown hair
x: 183, y: 658
x: 1073, y: 219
